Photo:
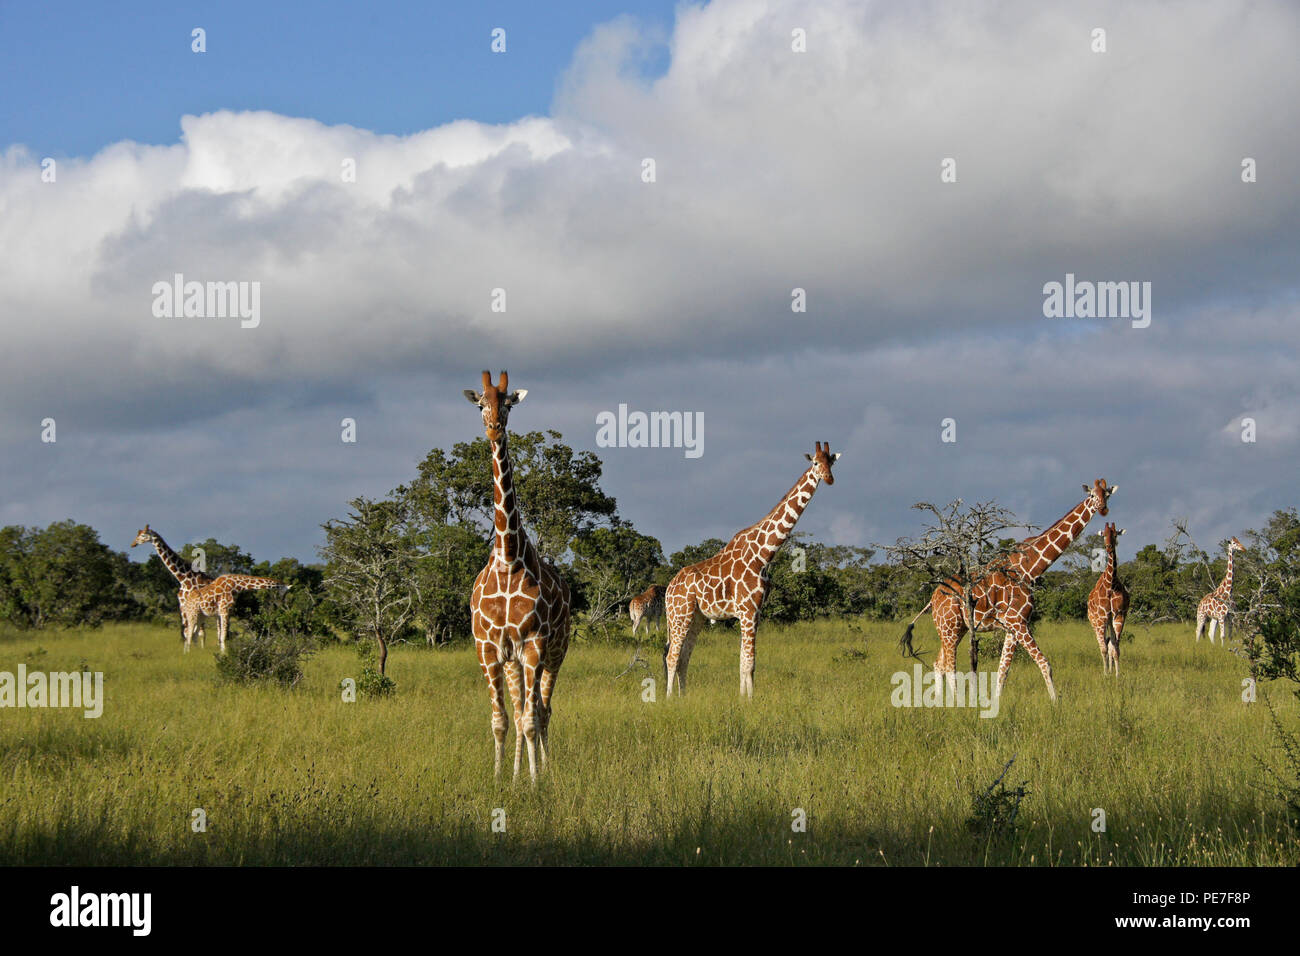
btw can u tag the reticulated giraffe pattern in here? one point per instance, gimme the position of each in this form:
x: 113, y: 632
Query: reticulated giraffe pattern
x: 519, y: 608
x: 201, y: 594
x: 1108, y: 604
x: 734, y: 582
x: 1217, y: 607
x: 1004, y: 599
x: 647, y: 606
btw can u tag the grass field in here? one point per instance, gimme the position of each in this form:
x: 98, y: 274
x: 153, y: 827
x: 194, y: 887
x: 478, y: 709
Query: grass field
x: 1169, y: 752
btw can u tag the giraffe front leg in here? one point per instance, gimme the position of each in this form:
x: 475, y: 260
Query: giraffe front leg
x: 515, y: 681
x: 530, y: 668
x: 748, y: 628
x: 1214, y: 622
x: 1099, y: 629
x: 546, y: 689
x: 492, y: 672
x: 223, y: 628
x: 1026, y: 640
x: 1117, y: 628
x: 680, y: 622
x: 1004, y: 665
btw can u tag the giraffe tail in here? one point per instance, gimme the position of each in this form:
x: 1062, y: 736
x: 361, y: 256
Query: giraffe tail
x: 905, y: 642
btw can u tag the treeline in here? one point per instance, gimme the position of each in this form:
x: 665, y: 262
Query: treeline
x: 402, y: 567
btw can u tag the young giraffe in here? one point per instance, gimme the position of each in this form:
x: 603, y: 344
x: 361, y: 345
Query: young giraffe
x: 1004, y: 600
x: 733, y: 583
x: 519, y: 608
x: 1108, y: 604
x: 200, y: 594
x: 188, y: 579
x: 647, y: 606
x: 1217, y: 606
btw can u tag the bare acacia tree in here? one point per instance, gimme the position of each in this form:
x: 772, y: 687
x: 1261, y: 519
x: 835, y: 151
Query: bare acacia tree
x: 371, y: 569
x: 956, y: 551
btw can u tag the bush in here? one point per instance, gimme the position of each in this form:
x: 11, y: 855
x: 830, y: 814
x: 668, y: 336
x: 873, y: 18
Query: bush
x: 371, y: 683
x: 264, y: 657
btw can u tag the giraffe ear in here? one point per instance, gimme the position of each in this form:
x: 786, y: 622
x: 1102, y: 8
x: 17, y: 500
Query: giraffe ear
x: 808, y: 456
x: 517, y: 396
x: 1087, y: 489
x: 472, y: 396
x: 1121, y: 531
x: 835, y: 457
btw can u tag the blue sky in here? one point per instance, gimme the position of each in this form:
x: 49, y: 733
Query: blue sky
x: 75, y: 77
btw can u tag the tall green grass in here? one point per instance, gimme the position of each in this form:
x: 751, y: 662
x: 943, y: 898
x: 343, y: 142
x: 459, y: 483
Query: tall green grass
x: 1169, y: 752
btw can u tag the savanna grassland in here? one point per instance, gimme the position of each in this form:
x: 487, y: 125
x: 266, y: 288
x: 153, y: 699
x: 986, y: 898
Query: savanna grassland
x: 1169, y: 751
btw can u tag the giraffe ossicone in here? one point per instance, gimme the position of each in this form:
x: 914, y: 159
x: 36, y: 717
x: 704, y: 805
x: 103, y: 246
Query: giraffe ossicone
x: 519, y: 607
x: 734, y: 582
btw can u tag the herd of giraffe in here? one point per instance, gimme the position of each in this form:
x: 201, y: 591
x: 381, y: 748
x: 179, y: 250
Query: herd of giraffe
x: 519, y: 606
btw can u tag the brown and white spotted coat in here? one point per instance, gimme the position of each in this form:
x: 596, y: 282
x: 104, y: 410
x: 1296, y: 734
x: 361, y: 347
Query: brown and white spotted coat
x: 1217, y: 606
x: 1108, y: 604
x: 519, y: 608
x: 647, y: 606
x: 1004, y: 600
x: 200, y: 594
x: 734, y: 582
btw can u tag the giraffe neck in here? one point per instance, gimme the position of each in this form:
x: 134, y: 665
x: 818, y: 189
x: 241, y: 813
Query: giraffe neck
x: 510, y: 542
x: 172, y: 560
x: 1036, y: 554
x: 1225, y: 588
x: 1109, y: 574
x: 774, y: 529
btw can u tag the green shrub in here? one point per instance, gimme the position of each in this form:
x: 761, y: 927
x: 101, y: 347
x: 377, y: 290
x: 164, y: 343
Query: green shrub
x: 256, y: 657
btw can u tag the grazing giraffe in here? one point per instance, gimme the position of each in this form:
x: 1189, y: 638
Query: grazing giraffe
x: 734, y: 582
x: 188, y: 579
x: 1108, y: 603
x: 519, y: 608
x: 1004, y: 599
x: 200, y: 594
x: 647, y: 606
x: 1217, y: 607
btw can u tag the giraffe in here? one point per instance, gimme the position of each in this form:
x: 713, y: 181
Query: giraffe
x: 1217, y: 606
x: 188, y: 579
x: 1004, y: 599
x: 1108, y: 604
x: 519, y: 608
x: 201, y: 594
x: 647, y: 606
x: 734, y: 582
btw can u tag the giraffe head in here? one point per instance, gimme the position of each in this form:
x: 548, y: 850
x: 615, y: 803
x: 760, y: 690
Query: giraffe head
x: 823, y: 459
x: 1110, y: 535
x: 1099, y: 494
x: 496, y: 402
x: 143, y: 536
x: 1235, y: 545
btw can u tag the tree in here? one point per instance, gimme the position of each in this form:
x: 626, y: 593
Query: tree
x: 956, y: 552
x: 370, y: 572
x: 61, y: 575
x: 613, y: 565
x: 558, y: 488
